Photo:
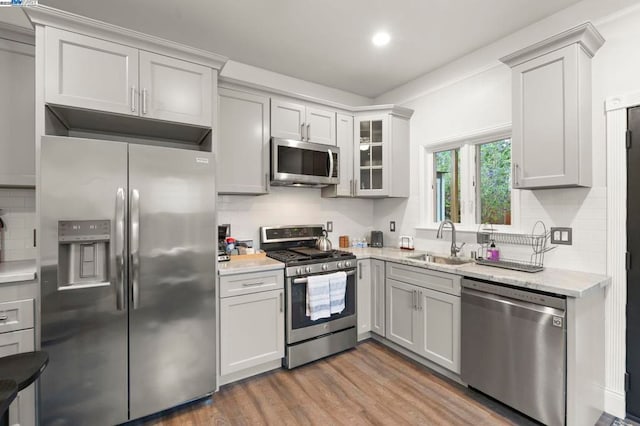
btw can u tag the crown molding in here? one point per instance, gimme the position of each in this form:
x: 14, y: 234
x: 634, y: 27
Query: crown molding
x: 586, y: 35
x: 17, y: 33
x: 49, y: 16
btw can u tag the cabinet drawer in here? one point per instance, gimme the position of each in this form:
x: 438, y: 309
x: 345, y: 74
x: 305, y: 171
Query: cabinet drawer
x: 16, y: 315
x: 434, y: 280
x: 233, y: 285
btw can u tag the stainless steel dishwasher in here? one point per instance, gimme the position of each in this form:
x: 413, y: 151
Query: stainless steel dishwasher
x: 514, y: 348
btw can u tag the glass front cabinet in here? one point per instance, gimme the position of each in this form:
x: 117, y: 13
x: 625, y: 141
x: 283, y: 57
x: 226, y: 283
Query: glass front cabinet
x: 371, y: 144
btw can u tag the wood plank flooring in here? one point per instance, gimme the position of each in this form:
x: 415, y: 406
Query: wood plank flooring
x: 369, y: 385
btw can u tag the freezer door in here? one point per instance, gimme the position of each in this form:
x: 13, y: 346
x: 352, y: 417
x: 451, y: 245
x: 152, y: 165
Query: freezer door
x: 172, y: 276
x: 84, y: 324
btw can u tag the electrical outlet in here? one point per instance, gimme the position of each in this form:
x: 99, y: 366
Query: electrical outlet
x: 392, y: 226
x: 329, y: 226
x: 562, y: 236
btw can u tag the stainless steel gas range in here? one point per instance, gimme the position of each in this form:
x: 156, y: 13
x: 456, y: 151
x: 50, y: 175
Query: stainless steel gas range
x: 308, y: 340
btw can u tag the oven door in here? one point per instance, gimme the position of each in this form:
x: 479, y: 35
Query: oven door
x: 303, y: 163
x: 299, y: 325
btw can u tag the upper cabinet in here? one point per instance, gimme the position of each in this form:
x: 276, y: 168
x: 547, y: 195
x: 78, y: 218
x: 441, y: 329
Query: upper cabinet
x: 551, y: 86
x: 375, y: 156
x: 17, y: 123
x: 91, y: 73
x: 243, y: 142
x: 175, y: 90
x: 290, y: 120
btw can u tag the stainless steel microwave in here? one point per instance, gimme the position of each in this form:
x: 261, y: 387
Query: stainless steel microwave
x: 297, y: 163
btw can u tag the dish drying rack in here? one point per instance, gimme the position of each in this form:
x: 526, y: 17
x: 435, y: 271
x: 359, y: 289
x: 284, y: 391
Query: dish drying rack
x: 538, y: 240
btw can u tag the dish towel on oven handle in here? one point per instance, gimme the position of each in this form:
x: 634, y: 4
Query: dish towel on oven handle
x: 318, y: 297
x: 338, y: 288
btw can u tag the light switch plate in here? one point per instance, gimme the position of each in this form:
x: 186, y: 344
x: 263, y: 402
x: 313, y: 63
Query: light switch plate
x: 329, y: 226
x: 561, y: 236
x: 392, y: 226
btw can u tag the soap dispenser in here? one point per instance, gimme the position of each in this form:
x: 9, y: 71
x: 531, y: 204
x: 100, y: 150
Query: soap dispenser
x: 493, y: 253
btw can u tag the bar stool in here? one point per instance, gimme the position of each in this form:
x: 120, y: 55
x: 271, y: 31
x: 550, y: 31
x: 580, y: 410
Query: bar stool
x: 16, y: 373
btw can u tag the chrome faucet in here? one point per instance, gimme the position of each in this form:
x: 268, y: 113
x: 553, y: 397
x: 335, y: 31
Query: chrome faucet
x: 454, y: 247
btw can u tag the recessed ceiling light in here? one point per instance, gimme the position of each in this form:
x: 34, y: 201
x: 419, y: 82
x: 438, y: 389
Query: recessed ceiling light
x: 381, y: 39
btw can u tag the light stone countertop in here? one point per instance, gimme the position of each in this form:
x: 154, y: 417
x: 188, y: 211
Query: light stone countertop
x: 559, y: 281
x: 239, y: 265
x: 18, y: 270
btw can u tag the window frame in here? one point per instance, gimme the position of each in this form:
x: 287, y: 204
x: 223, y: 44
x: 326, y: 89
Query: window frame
x: 469, y: 191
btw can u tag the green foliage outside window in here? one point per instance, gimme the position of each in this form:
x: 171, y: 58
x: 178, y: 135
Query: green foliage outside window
x: 495, y: 182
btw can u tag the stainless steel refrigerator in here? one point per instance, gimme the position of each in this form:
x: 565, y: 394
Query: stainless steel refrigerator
x: 127, y: 279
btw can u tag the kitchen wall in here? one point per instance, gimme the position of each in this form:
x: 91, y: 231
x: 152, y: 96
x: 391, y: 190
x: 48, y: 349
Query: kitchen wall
x: 19, y: 215
x: 294, y: 206
x: 474, y: 93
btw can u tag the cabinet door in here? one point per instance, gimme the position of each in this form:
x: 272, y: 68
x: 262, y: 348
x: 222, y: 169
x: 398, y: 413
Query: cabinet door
x: 402, y: 327
x: 175, y: 90
x: 364, y: 296
x: 17, y: 120
x: 545, y: 141
x: 87, y: 72
x: 251, y: 330
x: 243, y: 143
x: 370, y: 156
x: 287, y: 120
x: 344, y: 141
x: 22, y: 410
x: 320, y: 126
x: 439, y: 325
x: 378, y: 305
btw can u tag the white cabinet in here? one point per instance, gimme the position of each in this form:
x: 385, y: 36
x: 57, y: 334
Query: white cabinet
x: 251, y: 323
x: 551, y: 86
x: 243, y: 143
x: 175, y: 90
x: 381, y: 155
x: 364, y: 296
x: 17, y: 120
x: 87, y: 72
x: 344, y: 141
x: 423, y: 313
x: 378, y: 297
x: 402, y: 314
x: 439, y: 326
x: 290, y: 120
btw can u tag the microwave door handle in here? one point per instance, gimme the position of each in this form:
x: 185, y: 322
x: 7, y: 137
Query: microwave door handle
x: 330, y: 163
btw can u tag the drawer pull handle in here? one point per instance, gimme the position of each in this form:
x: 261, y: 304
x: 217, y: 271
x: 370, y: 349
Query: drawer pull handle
x: 4, y: 317
x: 252, y: 284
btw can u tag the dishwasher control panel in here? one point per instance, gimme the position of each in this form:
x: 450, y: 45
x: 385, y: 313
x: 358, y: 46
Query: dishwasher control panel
x: 531, y: 296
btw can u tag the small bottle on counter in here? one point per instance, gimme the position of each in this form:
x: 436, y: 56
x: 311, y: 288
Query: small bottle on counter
x: 493, y: 253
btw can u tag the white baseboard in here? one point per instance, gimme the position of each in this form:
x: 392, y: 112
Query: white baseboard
x: 615, y: 403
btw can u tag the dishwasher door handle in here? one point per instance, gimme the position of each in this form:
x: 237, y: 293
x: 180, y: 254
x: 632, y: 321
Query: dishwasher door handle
x: 487, y: 299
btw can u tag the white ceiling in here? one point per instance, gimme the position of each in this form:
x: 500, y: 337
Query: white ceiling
x: 327, y: 41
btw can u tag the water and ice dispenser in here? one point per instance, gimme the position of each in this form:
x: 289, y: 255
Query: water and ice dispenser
x: 83, y: 253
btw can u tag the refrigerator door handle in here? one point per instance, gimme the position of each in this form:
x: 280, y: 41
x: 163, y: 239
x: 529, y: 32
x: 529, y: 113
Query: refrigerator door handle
x: 120, y: 249
x: 135, y: 248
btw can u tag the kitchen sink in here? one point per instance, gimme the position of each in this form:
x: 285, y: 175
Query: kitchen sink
x: 443, y: 260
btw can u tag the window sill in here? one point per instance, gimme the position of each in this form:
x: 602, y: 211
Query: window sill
x: 471, y: 228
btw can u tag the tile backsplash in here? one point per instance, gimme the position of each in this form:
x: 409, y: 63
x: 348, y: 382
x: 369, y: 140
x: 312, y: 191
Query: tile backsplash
x: 19, y: 216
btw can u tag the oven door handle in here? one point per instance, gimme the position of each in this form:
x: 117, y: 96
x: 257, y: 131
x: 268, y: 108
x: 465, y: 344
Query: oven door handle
x: 304, y: 280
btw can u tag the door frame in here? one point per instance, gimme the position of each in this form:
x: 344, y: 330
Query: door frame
x: 616, y: 293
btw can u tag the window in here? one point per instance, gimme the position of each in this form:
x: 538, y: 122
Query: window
x: 469, y: 180
x: 493, y: 161
x: 447, y: 178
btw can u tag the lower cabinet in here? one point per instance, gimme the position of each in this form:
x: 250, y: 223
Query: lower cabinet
x: 421, y: 319
x: 377, y: 297
x: 251, y: 324
x: 22, y: 409
x: 364, y: 296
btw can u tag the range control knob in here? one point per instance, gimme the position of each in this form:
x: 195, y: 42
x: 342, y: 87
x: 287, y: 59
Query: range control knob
x: 348, y: 263
x: 339, y: 265
x: 308, y: 270
x: 299, y: 271
x: 325, y: 267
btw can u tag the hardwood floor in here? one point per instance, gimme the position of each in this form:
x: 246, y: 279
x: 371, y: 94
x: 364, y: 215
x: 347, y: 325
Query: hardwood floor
x: 369, y: 385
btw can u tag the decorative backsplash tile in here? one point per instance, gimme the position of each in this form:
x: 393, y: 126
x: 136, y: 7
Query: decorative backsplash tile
x: 19, y: 216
